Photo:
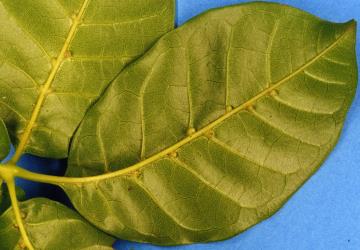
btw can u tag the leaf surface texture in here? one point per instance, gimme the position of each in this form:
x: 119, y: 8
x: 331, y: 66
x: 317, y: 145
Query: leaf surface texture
x: 216, y: 126
x: 56, y: 58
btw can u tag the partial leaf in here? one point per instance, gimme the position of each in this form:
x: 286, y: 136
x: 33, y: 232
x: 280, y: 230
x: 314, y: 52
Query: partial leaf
x: 4, y: 151
x: 5, y: 201
x: 4, y: 141
x: 215, y: 127
x: 56, y: 58
x: 51, y: 225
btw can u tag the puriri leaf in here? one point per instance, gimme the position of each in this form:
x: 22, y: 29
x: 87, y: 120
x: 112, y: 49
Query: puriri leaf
x: 51, y: 225
x: 56, y: 58
x: 215, y: 127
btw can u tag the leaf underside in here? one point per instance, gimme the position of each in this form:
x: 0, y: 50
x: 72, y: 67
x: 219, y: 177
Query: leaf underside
x: 57, y: 57
x: 51, y: 225
x: 216, y: 126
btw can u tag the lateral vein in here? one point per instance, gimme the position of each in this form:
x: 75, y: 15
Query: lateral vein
x: 268, y: 52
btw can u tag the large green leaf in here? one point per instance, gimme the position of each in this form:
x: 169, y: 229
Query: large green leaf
x: 56, y: 58
x: 4, y: 151
x: 51, y: 225
x: 215, y: 127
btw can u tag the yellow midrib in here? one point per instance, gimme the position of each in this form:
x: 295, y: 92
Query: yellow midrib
x: 62, y: 180
x: 46, y: 87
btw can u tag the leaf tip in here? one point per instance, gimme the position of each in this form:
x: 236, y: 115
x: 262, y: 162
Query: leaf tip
x: 351, y: 25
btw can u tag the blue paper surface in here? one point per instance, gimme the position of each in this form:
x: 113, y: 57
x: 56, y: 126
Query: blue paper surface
x: 324, y: 213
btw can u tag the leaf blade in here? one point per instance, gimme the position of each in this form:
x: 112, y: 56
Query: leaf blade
x: 244, y: 161
x: 59, y: 66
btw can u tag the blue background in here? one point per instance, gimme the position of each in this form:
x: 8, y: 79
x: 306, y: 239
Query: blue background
x: 323, y: 214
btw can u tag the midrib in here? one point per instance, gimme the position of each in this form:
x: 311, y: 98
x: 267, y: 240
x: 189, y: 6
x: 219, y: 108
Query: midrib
x: 47, y: 85
x: 78, y: 180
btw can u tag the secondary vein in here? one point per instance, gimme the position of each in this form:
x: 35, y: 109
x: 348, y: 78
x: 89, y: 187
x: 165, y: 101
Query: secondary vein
x: 268, y: 52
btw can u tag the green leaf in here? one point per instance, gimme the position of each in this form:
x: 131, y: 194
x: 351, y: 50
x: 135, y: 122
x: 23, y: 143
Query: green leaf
x: 57, y: 57
x: 4, y: 151
x: 216, y: 126
x: 5, y: 201
x: 4, y: 141
x: 51, y: 225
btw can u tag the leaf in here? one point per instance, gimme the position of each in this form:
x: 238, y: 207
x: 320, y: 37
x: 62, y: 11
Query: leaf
x: 4, y: 141
x: 4, y: 151
x: 51, y: 225
x: 57, y: 57
x: 5, y: 201
x: 216, y: 126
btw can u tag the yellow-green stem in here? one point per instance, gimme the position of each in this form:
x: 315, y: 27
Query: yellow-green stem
x: 7, y: 173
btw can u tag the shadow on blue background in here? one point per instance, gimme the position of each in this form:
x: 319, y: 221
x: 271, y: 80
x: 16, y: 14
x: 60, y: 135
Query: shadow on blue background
x: 324, y: 214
